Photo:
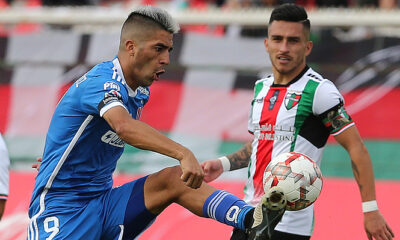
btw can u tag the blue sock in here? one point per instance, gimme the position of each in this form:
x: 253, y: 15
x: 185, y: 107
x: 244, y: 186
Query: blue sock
x: 226, y: 208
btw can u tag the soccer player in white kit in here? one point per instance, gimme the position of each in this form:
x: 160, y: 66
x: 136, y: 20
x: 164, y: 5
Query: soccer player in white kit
x: 4, y: 175
x: 296, y: 109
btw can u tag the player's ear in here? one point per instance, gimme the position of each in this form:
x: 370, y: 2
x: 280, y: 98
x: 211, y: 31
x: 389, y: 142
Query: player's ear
x: 130, y: 47
x: 266, y: 43
x: 309, y: 47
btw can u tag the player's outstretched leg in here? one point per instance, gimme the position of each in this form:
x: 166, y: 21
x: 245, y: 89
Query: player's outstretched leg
x: 165, y: 187
x: 267, y: 214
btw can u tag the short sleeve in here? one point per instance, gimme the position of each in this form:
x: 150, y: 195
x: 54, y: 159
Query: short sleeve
x: 329, y: 107
x: 100, y: 95
x: 326, y: 97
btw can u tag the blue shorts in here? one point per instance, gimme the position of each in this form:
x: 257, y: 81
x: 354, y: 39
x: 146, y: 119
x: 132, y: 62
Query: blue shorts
x: 119, y: 212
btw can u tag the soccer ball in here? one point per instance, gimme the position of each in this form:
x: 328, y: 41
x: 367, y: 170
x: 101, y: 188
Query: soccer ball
x: 297, y: 176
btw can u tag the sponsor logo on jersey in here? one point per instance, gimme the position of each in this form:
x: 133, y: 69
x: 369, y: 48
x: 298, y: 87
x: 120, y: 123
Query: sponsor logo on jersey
x: 111, y: 85
x: 112, y: 138
x: 291, y: 100
x: 275, y: 132
x: 259, y: 100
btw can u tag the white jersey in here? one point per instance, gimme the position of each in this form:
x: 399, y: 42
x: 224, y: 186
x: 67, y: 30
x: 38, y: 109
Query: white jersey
x: 297, y: 117
x: 4, y: 165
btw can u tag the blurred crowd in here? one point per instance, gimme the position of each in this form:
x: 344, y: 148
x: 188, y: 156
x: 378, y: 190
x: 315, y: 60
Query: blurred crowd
x: 386, y: 4
x: 229, y: 4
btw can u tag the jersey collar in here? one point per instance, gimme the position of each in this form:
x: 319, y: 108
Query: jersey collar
x: 117, y: 67
x: 294, y: 79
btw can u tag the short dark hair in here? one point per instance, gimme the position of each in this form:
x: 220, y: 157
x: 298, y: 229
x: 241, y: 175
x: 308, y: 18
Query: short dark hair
x: 149, y: 15
x: 290, y: 12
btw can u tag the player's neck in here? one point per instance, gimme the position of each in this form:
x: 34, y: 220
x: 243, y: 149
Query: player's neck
x: 125, y: 70
x: 284, y: 78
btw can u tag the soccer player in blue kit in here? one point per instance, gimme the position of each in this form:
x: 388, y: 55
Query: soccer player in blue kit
x: 73, y: 196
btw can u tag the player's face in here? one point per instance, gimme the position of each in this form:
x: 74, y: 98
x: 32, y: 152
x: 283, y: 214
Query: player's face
x: 288, y: 46
x: 150, y: 58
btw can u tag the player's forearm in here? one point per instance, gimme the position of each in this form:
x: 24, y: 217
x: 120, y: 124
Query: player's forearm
x: 2, y: 206
x: 241, y: 158
x: 143, y: 136
x: 360, y: 160
x: 363, y: 172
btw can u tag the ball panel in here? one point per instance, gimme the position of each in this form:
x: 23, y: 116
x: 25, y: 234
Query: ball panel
x: 298, y: 176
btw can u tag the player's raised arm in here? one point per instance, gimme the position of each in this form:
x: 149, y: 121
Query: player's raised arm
x: 214, y: 168
x: 143, y: 136
x: 374, y: 223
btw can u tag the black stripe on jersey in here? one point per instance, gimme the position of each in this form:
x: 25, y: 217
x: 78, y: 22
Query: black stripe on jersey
x: 314, y: 131
x: 314, y: 77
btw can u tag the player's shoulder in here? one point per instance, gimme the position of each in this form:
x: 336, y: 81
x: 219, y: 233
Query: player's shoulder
x: 103, y: 75
x: 312, y: 75
x: 102, y: 70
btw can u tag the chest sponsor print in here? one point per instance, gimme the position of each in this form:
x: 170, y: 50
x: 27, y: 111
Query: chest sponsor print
x: 112, y: 138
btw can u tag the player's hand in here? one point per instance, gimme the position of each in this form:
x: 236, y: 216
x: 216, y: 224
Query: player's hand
x: 37, y: 165
x: 376, y: 226
x: 212, y: 170
x: 192, y: 173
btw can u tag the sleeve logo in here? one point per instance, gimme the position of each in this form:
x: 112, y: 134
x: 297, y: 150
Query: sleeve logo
x: 111, y: 85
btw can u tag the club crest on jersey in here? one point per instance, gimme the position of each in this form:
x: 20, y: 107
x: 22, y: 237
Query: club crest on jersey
x: 291, y: 100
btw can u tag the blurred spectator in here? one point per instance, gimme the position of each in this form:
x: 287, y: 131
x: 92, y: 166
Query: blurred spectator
x: 388, y: 4
x: 4, y: 175
x: 367, y: 3
x: 332, y: 3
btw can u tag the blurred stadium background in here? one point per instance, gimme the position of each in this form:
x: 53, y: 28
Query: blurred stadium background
x: 204, y: 98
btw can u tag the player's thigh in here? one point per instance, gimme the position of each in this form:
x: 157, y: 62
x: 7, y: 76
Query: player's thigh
x: 65, y: 223
x: 126, y: 211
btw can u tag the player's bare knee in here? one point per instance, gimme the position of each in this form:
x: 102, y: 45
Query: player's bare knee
x: 169, y: 177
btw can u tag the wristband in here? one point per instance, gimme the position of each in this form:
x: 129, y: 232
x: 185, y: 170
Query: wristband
x: 226, y: 164
x: 369, y: 206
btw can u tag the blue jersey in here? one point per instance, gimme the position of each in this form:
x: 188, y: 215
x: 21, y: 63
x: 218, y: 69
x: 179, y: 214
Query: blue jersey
x: 81, y: 149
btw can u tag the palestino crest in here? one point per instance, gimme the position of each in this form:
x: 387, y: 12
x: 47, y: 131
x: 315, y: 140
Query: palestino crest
x: 291, y: 100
